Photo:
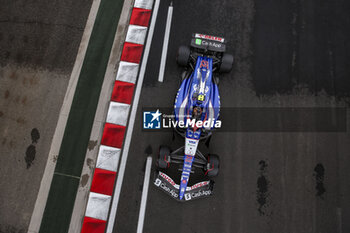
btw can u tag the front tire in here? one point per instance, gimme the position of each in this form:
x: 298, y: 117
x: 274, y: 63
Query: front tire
x: 164, y: 157
x: 212, y: 168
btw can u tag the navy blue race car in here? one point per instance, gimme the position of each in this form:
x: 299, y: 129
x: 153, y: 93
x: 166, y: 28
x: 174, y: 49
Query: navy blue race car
x: 196, y: 111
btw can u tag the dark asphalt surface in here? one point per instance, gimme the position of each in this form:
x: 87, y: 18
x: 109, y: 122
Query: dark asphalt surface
x: 39, y: 41
x: 287, y: 54
x: 36, y: 34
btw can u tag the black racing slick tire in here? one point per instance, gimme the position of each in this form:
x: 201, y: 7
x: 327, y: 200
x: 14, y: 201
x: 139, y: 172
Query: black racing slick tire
x: 183, y: 55
x: 213, y: 165
x: 226, y: 63
x: 164, y: 157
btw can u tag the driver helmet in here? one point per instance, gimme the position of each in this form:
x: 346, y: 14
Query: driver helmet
x: 197, y: 112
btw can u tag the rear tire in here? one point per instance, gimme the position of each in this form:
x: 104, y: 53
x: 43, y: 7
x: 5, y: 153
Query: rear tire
x: 226, y: 63
x: 213, y: 165
x: 164, y: 157
x: 183, y: 55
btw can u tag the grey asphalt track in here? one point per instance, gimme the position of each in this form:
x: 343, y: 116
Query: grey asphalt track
x: 287, y: 54
x: 39, y: 41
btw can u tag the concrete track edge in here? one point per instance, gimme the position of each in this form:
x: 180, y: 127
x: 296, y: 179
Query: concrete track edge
x: 100, y: 117
x: 45, y: 184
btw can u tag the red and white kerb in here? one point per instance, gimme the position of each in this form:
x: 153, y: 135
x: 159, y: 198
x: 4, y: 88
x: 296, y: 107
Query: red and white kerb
x: 103, y: 181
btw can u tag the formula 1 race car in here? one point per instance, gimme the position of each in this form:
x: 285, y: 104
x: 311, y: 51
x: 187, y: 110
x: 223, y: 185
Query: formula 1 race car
x: 196, y: 109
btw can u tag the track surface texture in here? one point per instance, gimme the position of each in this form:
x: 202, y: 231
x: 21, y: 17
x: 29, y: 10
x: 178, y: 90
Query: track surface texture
x: 287, y: 54
x: 39, y: 41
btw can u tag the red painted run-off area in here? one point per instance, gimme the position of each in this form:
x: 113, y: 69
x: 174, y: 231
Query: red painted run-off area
x: 113, y: 135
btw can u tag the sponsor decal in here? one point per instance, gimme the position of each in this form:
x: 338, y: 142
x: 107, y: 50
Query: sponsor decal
x: 201, y: 193
x: 204, y: 64
x: 198, y: 190
x: 163, y: 186
x: 190, y: 149
x: 198, y: 41
x: 187, y: 196
x: 212, y: 44
x: 200, y: 184
x: 186, y: 169
x: 157, y: 182
x: 189, y: 133
x: 197, y: 134
x: 202, y: 36
x: 167, y: 178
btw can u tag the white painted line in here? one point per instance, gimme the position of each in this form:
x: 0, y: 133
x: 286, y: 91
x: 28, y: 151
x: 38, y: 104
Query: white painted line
x: 118, y: 113
x: 98, y: 206
x: 108, y: 158
x: 136, y: 34
x: 145, y: 4
x: 165, y: 43
x: 144, y: 195
x: 130, y: 129
x: 339, y: 217
x: 127, y: 72
x: 70, y: 176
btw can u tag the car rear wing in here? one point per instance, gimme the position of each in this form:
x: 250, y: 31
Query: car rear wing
x: 206, y: 42
x: 199, y: 190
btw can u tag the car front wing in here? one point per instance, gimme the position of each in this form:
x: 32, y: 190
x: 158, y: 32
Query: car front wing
x: 198, y: 190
